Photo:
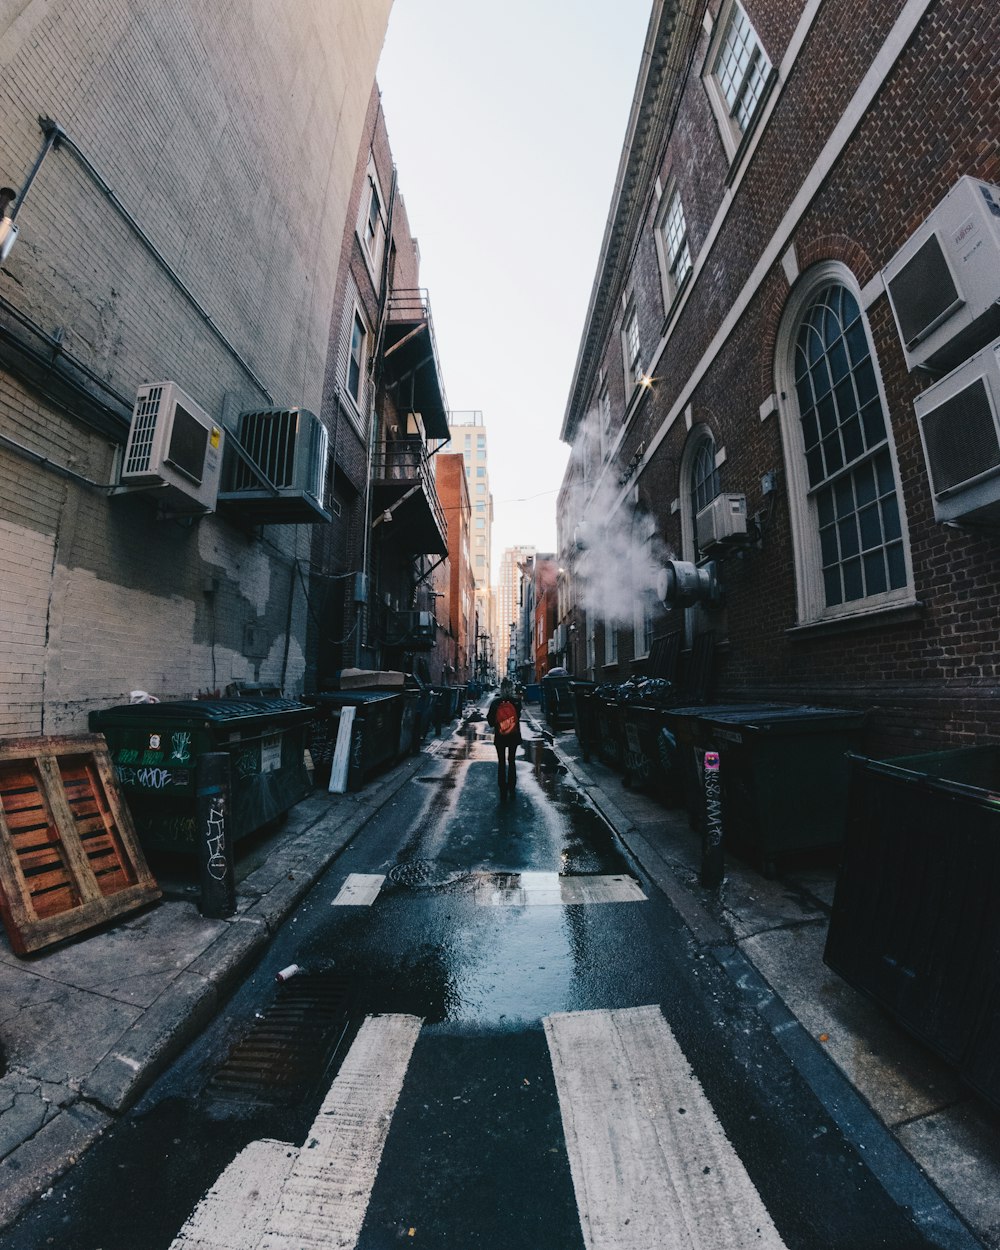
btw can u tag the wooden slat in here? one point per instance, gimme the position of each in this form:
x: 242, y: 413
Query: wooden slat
x: 69, y: 855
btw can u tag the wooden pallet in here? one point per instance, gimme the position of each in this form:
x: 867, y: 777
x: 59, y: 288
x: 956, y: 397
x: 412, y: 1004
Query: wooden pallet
x: 69, y: 856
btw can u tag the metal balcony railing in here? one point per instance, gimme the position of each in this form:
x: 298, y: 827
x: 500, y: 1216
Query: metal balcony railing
x: 406, y: 462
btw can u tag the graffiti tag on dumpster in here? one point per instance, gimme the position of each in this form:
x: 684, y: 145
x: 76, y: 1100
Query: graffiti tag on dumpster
x: 151, y: 778
x: 216, y: 840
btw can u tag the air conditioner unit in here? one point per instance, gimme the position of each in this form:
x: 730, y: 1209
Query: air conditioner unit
x: 418, y: 630
x: 560, y: 637
x: 174, y: 446
x: 959, y: 420
x: 415, y: 424
x: 552, y: 649
x: 944, y: 282
x: 722, y: 521
x: 289, y: 447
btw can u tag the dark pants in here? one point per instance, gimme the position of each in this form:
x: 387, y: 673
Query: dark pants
x: 506, y: 777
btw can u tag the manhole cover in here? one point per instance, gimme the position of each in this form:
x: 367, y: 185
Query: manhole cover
x: 419, y: 874
x: 288, y: 1053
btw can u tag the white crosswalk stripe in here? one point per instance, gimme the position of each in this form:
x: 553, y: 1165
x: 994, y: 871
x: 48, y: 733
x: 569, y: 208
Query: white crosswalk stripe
x: 359, y: 890
x: 651, y: 1164
x: 550, y: 889
x: 320, y: 1198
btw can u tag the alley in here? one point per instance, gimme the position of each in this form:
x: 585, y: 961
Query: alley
x: 522, y: 1048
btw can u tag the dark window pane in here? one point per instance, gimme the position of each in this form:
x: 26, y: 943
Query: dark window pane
x: 827, y: 415
x: 803, y: 391
x: 832, y: 454
x: 883, y: 471
x: 875, y: 581
x: 850, y: 311
x: 828, y: 545
x: 864, y: 483
x: 853, y: 585
x: 844, y: 497
x: 847, y: 405
x: 871, y: 529
x: 848, y: 532
x: 854, y: 444
x: 824, y: 506
x: 864, y: 380
x: 897, y: 565
x: 814, y: 463
x: 874, y: 423
x: 831, y: 583
x: 820, y: 375
x: 890, y: 518
x: 857, y: 343
x: 839, y: 364
x: 813, y: 343
x: 810, y: 433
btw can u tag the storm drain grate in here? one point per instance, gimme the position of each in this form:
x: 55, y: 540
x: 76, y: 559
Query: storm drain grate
x: 289, y: 1051
x: 419, y: 874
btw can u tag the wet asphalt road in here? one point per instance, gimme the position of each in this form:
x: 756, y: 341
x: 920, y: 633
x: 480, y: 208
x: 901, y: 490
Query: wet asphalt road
x: 476, y: 1153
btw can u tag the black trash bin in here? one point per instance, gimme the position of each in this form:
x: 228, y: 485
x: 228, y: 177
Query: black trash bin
x: 375, y: 735
x: 557, y: 702
x: 915, y: 923
x: 155, y: 749
x: 585, y: 715
x: 783, y: 777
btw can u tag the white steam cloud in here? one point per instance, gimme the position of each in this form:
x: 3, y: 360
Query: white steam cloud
x: 621, y: 550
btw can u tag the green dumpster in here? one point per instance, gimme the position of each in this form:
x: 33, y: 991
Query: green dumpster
x: 155, y: 749
x: 915, y: 923
x: 375, y: 734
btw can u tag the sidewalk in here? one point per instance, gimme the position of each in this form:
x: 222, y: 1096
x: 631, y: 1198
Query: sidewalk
x: 769, y: 936
x: 89, y: 1026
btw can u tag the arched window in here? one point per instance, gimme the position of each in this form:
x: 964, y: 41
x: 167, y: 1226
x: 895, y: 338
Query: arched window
x: 851, y: 551
x: 704, y: 475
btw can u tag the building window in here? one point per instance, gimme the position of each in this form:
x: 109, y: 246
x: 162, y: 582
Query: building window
x: 610, y: 642
x: 631, y: 349
x: 738, y: 75
x: 604, y: 414
x: 851, y: 547
x: 480, y: 470
x: 704, y: 475
x: 371, y: 223
x: 672, y: 247
x: 355, y: 364
x: 480, y: 562
x: 480, y: 489
x: 481, y: 440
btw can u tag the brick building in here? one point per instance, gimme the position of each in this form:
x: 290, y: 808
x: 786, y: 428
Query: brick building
x: 371, y: 593
x: 457, y: 579
x: 774, y: 236
x: 180, y: 209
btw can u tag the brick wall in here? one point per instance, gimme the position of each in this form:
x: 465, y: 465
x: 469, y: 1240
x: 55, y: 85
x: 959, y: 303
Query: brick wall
x: 929, y: 674
x: 230, y: 136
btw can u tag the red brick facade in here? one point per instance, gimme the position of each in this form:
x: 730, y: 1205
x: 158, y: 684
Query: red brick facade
x: 863, y: 128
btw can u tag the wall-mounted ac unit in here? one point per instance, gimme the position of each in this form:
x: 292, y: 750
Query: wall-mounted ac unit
x: 289, y: 446
x: 415, y: 630
x: 959, y: 420
x: 174, y: 446
x: 552, y: 647
x: 944, y: 282
x: 721, y: 522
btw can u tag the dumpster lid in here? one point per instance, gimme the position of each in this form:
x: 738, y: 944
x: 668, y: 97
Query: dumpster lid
x: 794, y: 718
x: 351, y: 698
x: 216, y: 711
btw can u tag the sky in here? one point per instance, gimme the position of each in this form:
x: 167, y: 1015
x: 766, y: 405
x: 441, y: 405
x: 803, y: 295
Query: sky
x: 506, y: 123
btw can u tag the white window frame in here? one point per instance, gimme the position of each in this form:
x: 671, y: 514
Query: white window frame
x: 676, y: 263
x: 810, y: 591
x: 631, y: 346
x: 756, y: 75
x: 372, y: 235
x: 357, y: 397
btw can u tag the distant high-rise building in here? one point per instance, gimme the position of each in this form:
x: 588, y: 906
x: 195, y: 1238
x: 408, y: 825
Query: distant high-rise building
x: 509, y: 598
x: 468, y: 438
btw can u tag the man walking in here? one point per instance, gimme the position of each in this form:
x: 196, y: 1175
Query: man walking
x: 504, y: 718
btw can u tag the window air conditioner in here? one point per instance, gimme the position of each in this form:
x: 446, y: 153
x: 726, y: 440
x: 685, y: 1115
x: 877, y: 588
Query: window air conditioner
x: 552, y: 646
x: 944, y: 282
x: 174, y: 446
x: 959, y: 420
x: 289, y: 446
x: 722, y: 521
